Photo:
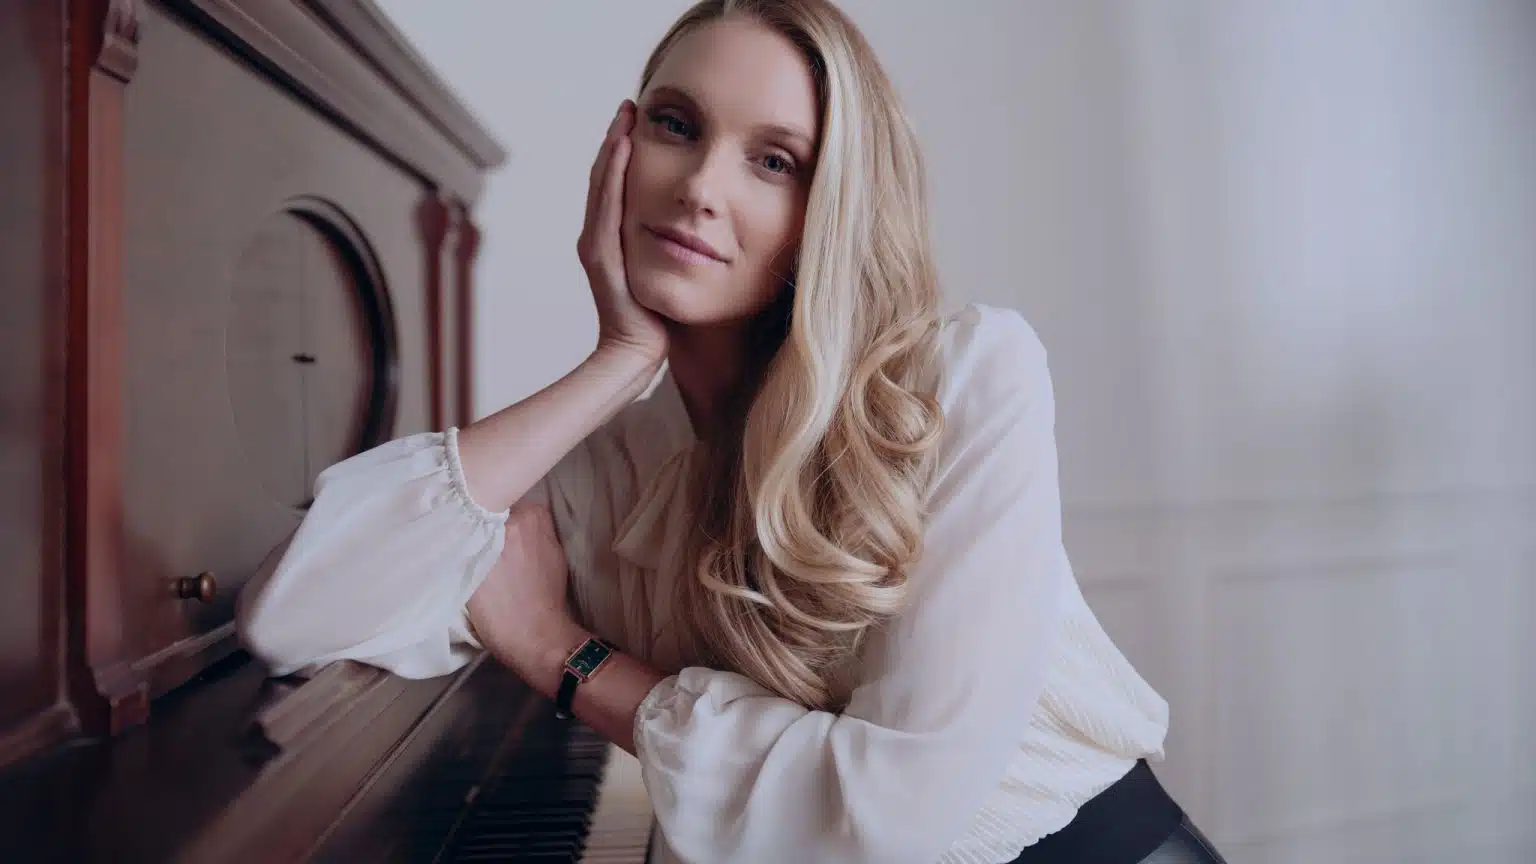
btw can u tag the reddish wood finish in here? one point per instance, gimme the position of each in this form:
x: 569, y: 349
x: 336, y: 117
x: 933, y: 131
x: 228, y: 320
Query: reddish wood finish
x: 433, y: 217
x: 146, y: 141
x: 109, y: 693
x: 103, y: 510
x: 464, y: 269
x: 33, y: 712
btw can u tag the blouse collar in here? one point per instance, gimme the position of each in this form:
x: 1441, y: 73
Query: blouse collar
x: 673, y: 413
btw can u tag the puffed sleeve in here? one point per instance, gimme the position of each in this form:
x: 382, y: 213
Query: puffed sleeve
x: 947, y: 689
x: 381, y: 567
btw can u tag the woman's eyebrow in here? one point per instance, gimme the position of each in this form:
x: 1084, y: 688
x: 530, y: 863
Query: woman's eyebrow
x: 667, y: 91
x: 787, y: 131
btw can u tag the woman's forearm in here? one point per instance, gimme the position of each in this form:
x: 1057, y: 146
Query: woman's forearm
x: 506, y: 453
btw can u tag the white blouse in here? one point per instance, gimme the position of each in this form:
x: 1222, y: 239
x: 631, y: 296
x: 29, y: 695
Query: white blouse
x: 977, y: 721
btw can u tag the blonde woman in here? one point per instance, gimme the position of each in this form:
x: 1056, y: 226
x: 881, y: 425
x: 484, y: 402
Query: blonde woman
x: 815, y: 580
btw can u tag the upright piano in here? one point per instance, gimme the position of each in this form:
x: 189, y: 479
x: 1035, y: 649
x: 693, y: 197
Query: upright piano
x: 239, y: 246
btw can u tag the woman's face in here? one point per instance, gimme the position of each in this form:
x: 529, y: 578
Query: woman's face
x: 723, y: 151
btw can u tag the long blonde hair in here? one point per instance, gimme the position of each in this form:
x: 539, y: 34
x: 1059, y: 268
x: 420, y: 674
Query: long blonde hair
x: 810, y: 510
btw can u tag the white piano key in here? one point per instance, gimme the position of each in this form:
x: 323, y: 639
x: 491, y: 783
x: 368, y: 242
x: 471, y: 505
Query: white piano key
x: 621, y: 822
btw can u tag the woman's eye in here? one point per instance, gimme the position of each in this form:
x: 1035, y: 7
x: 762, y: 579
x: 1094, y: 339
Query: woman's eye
x: 778, y: 164
x: 672, y: 125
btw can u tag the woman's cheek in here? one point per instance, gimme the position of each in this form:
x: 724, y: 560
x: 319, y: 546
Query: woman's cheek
x: 634, y: 175
x: 648, y: 165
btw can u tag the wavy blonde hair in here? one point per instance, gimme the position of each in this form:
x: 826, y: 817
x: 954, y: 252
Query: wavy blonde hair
x: 810, y: 510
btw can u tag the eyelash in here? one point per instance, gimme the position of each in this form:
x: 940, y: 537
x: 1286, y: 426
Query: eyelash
x: 661, y: 119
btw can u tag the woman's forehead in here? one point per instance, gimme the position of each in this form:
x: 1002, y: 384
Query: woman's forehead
x: 740, y: 72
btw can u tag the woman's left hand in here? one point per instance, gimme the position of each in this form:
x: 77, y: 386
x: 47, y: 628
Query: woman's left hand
x: 520, y: 612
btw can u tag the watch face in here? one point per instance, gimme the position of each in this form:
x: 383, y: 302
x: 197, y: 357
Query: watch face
x: 587, y: 658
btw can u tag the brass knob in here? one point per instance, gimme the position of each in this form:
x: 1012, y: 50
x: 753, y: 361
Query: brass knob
x: 202, y: 587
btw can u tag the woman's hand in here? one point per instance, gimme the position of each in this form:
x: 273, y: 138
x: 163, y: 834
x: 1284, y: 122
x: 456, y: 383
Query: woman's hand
x: 520, y: 612
x: 622, y: 322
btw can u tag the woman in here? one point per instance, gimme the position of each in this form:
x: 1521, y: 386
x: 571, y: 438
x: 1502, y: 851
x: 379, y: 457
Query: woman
x: 815, y: 581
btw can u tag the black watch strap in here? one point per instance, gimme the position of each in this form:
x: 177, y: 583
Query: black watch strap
x: 583, y: 663
x: 566, y: 695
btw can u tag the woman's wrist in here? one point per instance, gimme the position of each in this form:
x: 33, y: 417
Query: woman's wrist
x: 607, y: 702
x: 542, y: 664
x: 630, y: 366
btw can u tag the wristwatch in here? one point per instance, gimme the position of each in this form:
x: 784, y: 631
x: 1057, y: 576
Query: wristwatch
x: 583, y: 663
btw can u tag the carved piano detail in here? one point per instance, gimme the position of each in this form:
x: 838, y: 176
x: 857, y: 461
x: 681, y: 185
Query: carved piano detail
x: 241, y: 249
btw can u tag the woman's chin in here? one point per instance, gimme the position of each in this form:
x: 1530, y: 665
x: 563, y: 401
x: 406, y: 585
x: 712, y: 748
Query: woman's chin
x: 684, y: 301
x: 663, y: 293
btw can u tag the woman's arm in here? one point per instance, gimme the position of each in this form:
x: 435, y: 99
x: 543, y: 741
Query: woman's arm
x: 505, y: 454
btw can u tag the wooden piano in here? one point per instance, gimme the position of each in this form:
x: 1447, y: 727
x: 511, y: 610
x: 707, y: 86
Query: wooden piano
x: 239, y: 246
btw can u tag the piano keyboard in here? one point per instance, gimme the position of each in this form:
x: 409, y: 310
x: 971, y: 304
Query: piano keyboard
x: 540, y: 807
x: 621, y: 824
x: 493, y: 776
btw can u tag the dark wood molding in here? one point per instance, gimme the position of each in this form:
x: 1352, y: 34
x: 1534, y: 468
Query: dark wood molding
x: 293, y: 46
x: 433, y: 217
x: 172, y: 666
x: 297, y: 720
x: 109, y: 693
x: 467, y: 252
x: 122, y: 689
x: 374, y: 36
x: 38, y: 733
x: 119, y: 55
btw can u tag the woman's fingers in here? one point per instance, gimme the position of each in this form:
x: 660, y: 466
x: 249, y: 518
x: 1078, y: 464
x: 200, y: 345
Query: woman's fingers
x: 610, y: 209
x: 600, y: 163
x: 600, y: 182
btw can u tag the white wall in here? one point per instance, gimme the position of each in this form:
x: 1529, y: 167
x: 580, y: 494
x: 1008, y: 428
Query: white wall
x: 1284, y: 257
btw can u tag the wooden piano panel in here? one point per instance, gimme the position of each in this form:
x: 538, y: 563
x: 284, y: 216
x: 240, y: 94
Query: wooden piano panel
x: 264, y: 336
x: 246, y: 354
x: 32, y: 344
x: 232, y: 233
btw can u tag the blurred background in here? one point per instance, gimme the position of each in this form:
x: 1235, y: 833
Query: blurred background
x: 1283, y: 256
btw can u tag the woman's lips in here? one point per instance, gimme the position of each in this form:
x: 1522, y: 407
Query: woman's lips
x: 684, y: 248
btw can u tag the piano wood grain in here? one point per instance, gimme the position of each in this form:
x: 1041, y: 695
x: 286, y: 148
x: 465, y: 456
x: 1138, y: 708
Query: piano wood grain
x: 202, y: 783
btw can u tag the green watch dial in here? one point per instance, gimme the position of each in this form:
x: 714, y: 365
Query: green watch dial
x: 587, y: 658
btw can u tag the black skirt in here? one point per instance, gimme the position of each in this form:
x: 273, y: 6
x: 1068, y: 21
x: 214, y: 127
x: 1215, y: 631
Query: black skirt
x: 1134, y: 821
